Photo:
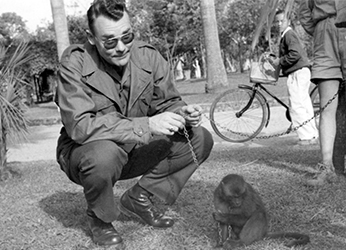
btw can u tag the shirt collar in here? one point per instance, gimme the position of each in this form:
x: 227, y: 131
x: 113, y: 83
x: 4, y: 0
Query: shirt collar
x: 284, y: 32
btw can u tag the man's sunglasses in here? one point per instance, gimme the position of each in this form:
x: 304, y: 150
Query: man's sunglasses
x: 113, y: 42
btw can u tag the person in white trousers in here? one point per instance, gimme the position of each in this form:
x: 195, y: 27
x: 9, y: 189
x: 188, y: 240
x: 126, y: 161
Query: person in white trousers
x: 294, y: 64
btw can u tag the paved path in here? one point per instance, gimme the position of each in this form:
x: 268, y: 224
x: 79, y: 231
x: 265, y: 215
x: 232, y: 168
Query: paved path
x: 41, y: 144
x: 42, y: 139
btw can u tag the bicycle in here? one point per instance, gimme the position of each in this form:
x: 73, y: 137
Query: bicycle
x: 239, y: 115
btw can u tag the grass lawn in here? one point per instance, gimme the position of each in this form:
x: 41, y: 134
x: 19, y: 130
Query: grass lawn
x: 42, y: 210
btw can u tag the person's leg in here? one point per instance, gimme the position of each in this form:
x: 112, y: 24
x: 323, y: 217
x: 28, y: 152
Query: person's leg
x: 327, y: 90
x: 166, y: 164
x: 327, y: 128
x: 166, y: 179
x: 97, y: 166
x: 301, y: 109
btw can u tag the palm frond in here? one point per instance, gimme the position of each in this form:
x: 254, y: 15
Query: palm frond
x: 288, y: 8
x: 19, y: 57
x: 13, y: 122
x: 266, y: 18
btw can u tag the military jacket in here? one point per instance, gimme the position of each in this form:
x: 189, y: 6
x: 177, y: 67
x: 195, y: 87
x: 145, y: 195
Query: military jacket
x: 88, y: 96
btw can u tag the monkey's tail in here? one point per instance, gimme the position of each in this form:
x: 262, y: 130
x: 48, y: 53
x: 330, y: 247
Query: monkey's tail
x: 299, y: 239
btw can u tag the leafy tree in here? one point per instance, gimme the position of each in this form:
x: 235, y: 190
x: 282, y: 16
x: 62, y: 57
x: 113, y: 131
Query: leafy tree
x: 45, y: 55
x: 12, y: 121
x: 238, y: 21
x: 44, y: 33
x: 77, y: 25
x: 12, y: 27
x: 43, y: 44
x: 174, y: 27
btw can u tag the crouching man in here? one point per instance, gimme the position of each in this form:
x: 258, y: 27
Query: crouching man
x: 122, y: 118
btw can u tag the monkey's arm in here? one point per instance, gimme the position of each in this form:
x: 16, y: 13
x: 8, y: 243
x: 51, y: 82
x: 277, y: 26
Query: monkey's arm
x: 230, y: 219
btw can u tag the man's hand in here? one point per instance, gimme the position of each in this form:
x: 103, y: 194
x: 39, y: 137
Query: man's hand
x: 192, y: 115
x: 166, y: 123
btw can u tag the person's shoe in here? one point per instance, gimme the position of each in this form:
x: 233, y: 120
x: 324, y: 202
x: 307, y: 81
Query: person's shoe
x: 312, y: 141
x: 103, y: 233
x: 326, y: 174
x: 135, y: 202
x: 314, y: 169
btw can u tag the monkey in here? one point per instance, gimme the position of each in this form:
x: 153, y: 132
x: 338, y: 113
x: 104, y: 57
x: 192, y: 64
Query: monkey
x: 242, y: 216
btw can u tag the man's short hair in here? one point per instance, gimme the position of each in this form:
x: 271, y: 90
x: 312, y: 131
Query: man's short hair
x: 112, y: 9
x: 279, y: 12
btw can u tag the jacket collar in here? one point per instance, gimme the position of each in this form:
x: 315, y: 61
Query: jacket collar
x: 140, y: 73
x: 92, y: 61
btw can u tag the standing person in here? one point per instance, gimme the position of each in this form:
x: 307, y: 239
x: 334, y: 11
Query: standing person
x: 295, y: 65
x: 329, y: 62
x: 121, y: 116
x: 179, y: 69
x: 197, y: 68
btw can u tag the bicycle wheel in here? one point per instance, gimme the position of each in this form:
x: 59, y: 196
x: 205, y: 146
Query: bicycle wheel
x: 315, y: 99
x: 226, y: 121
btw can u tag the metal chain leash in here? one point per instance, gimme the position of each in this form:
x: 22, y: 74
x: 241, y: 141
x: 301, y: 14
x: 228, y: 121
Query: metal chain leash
x: 293, y: 129
x: 186, y: 134
x: 290, y: 130
x: 229, y: 233
x: 194, y: 157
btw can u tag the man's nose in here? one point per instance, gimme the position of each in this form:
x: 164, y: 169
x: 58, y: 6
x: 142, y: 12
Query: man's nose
x: 120, y: 46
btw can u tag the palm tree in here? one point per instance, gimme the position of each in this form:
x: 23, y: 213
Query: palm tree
x: 13, y: 125
x: 60, y: 25
x: 216, y: 73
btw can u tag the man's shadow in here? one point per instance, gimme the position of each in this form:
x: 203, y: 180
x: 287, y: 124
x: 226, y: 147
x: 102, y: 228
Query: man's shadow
x: 69, y: 208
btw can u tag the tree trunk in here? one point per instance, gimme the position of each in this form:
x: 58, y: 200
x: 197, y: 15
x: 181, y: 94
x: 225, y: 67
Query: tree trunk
x: 3, y: 153
x: 60, y: 25
x: 2, y: 146
x: 216, y: 73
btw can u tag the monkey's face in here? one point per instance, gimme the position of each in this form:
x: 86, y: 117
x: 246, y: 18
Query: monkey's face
x: 233, y: 195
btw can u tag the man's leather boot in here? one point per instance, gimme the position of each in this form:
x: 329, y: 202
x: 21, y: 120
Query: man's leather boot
x: 103, y: 233
x: 135, y: 202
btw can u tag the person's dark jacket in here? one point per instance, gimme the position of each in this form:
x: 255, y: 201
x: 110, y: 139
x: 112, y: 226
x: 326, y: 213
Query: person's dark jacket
x: 291, y: 52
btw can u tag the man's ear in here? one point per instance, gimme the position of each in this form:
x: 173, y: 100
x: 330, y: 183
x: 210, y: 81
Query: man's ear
x: 90, y: 37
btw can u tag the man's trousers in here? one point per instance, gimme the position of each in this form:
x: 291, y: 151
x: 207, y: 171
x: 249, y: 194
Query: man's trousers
x: 165, y: 165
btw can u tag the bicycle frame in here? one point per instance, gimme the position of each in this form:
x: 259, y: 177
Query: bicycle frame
x: 257, y: 88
